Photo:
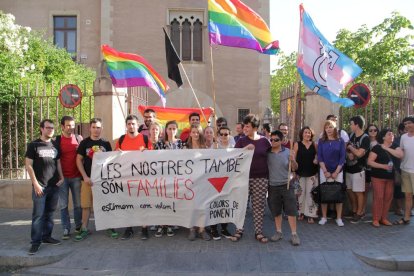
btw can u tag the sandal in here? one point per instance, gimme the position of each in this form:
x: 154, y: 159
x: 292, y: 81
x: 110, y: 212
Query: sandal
x: 385, y: 222
x: 237, y: 236
x: 311, y: 221
x: 301, y: 217
x: 261, y: 238
x: 401, y: 221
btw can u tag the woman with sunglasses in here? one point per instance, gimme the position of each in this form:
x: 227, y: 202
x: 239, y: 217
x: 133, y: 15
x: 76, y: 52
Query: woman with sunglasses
x: 382, y: 174
x: 305, y: 152
x: 331, y: 157
x: 372, y: 132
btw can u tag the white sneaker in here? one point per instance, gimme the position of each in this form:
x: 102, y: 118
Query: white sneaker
x: 339, y: 222
x: 322, y: 221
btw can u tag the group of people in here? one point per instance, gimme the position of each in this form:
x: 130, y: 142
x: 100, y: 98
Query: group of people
x: 58, y: 165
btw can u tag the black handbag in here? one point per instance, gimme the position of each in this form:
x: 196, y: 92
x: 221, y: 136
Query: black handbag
x: 329, y: 192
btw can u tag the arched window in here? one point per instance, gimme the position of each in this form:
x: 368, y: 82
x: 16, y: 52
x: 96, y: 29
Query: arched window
x: 186, y: 32
x: 186, y: 41
x: 198, y: 41
x: 175, y: 35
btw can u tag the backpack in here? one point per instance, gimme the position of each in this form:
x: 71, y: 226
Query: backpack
x: 58, y: 139
x: 121, y: 140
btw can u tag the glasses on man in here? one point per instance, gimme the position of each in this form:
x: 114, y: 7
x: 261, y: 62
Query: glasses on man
x: 224, y: 134
x: 274, y: 140
x: 49, y: 128
x: 221, y: 125
x: 373, y: 130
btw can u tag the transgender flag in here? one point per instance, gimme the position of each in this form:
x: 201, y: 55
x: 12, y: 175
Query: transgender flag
x: 323, y: 68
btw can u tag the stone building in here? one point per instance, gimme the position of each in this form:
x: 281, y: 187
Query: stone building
x: 241, y: 76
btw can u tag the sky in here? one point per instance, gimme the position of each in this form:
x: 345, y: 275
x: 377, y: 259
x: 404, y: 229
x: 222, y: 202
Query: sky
x: 329, y: 16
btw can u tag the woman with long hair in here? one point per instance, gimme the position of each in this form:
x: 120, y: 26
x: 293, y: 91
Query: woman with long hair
x: 331, y: 157
x: 382, y: 175
x: 196, y: 141
x: 305, y: 152
x: 372, y: 132
x: 170, y: 143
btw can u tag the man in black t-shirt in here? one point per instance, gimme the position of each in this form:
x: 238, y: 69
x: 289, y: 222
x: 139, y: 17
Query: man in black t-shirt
x: 356, y: 156
x: 44, y: 169
x: 87, y: 148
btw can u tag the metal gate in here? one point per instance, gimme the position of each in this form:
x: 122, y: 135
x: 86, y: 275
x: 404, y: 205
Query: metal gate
x: 20, y: 121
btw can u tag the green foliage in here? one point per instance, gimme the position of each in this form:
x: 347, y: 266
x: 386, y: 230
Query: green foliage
x: 283, y: 77
x: 384, y: 52
x: 25, y: 56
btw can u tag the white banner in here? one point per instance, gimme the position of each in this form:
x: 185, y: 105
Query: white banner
x: 170, y: 187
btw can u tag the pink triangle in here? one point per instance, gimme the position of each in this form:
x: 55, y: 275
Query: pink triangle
x: 218, y: 182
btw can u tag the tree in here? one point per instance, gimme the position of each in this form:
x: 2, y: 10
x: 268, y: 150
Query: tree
x: 25, y: 56
x: 384, y: 52
x: 284, y: 76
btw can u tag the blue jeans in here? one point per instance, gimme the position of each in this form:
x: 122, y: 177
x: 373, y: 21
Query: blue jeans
x: 42, y: 216
x: 74, y: 184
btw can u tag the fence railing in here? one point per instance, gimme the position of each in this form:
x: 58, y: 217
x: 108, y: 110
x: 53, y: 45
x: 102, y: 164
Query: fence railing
x: 389, y: 104
x: 287, y: 98
x: 20, y: 121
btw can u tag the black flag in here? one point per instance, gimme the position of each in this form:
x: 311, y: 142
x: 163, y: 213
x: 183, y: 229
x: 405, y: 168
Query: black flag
x: 172, y: 61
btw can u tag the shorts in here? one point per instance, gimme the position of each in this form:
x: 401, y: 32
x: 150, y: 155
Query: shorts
x: 86, y: 195
x: 280, y: 197
x: 355, y: 181
x: 407, y: 182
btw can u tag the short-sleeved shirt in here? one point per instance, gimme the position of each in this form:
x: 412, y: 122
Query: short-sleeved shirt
x: 407, y: 145
x: 88, y: 147
x: 68, y: 149
x: 382, y: 158
x: 356, y: 166
x: 178, y: 144
x: 258, y: 167
x: 278, y: 164
x: 135, y: 143
x: 45, y: 156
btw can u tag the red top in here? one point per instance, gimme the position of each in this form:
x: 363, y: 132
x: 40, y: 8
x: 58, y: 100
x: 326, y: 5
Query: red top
x: 68, y: 147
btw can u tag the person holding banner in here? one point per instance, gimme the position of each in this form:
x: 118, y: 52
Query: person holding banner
x: 87, y: 148
x: 223, y: 143
x: 155, y: 131
x: 170, y: 142
x: 133, y: 140
x: 196, y: 141
x: 209, y: 137
x: 259, y: 174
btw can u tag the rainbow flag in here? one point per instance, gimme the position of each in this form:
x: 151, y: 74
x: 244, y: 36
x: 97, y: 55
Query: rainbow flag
x: 130, y: 70
x: 234, y: 24
x: 323, y: 68
x: 165, y: 114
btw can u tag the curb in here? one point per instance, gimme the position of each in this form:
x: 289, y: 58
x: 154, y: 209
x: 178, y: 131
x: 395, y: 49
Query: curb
x: 19, y: 258
x: 382, y: 260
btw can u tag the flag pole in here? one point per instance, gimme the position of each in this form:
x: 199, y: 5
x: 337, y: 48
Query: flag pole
x: 293, y: 126
x: 192, y: 89
x: 213, y: 88
x: 295, y: 99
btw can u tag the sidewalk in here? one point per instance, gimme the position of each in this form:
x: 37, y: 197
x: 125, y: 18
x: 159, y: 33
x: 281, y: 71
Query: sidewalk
x: 353, y: 249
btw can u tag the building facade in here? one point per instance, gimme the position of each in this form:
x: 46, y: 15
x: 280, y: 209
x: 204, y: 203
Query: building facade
x: 239, y: 77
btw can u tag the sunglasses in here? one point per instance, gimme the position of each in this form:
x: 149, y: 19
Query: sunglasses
x: 49, y: 128
x: 274, y: 140
x: 373, y: 130
x: 224, y: 134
